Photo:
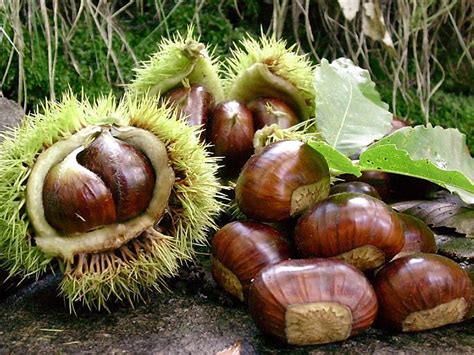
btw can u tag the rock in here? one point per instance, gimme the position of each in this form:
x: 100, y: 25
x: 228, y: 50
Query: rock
x: 459, y: 249
x: 11, y: 115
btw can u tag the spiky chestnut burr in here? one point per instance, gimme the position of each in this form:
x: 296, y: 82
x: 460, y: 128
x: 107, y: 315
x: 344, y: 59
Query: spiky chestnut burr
x: 357, y: 228
x: 314, y: 301
x: 282, y: 180
x: 240, y: 250
x: 97, y: 264
x: 181, y: 59
x: 267, y: 68
x: 422, y: 291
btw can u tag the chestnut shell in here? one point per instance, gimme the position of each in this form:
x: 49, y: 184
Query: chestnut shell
x: 232, y: 135
x: 419, y: 282
x: 193, y: 103
x: 347, y: 221
x: 267, y: 111
x: 125, y: 170
x: 354, y: 186
x: 244, y: 248
x: 298, y: 282
x: 75, y: 199
x: 283, y: 179
x: 379, y: 180
x: 418, y: 236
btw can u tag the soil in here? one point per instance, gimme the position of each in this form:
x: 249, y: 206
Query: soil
x: 193, y: 317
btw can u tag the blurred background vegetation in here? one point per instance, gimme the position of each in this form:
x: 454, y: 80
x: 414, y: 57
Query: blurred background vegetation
x: 419, y: 52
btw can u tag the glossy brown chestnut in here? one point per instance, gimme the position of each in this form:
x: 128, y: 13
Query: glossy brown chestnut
x: 267, y: 111
x: 232, y: 135
x: 418, y: 236
x: 378, y: 179
x: 282, y: 180
x: 422, y: 291
x: 75, y: 199
x: 240, y: 250
x: 357, y: 228
x: 193, y: 103
x: 312, y: 301
x: 125, y: 170
x: 354, y: 186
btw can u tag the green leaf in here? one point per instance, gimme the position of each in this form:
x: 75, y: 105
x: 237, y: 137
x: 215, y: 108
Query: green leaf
x: 349, y: 112
x: 431, y: 153
x: 338, y: 162
x: 359, y: 77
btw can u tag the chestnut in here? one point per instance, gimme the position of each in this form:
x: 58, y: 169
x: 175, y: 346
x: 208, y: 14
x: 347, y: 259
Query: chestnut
x: 75, y: 199
x: 105, y: 182
x: 313, y: 301
x: 379, y: 180
x: 422, y: 291
x: 354, y: 186
x: 418, y: 236
x: 193, y: 103
x: 240, y: 250
x: 267, y: 111
x: 232, y: 135
x: 282, y: 180
x: 357, y: 228
x: 124, y: 169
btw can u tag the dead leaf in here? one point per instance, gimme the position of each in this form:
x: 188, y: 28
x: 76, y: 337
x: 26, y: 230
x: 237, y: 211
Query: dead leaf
x: 232, y: 350
x: 350, y: 8
x: 373, y: 24
x: 441, y: 214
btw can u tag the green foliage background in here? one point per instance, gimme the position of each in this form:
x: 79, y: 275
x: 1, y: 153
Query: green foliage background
x: 84, y: 64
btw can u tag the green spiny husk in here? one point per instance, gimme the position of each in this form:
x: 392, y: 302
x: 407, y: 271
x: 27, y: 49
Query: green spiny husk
x: 268, y: 54
x: 179, y: 60
x: 123, y: 283
x: 192, y: 207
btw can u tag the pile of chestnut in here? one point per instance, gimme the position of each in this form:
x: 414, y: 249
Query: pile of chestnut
x: 318, y: 264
